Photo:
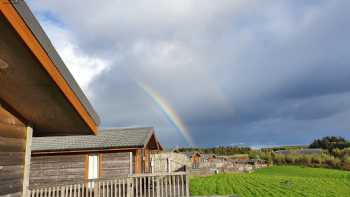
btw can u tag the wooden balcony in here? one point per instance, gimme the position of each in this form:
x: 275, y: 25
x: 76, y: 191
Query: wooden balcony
x: 144, y: 185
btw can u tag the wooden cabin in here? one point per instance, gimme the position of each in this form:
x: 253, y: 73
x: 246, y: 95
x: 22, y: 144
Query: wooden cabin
x: 111, y: 153
x: 38, y: 95
x: 206, y: 158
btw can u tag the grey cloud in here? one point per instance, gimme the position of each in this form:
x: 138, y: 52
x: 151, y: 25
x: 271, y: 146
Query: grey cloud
x: 259, y: 72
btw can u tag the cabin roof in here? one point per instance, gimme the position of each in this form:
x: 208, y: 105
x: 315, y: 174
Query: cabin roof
x: 36, y: 85
x: 39, y: 33
x: 105, y: 139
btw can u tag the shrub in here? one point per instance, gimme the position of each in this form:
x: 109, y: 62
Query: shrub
x: 346, y: 163
x: 291, y: 158
x: 317, y: 160
x: 279, y: 159
x: 306, y: 160
x: 333, y: 162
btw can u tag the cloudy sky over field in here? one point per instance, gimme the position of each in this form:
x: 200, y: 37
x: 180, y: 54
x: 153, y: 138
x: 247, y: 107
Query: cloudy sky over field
x: 240, y: 72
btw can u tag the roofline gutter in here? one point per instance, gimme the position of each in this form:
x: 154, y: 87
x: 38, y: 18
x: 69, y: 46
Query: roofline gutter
x: 72, y: 151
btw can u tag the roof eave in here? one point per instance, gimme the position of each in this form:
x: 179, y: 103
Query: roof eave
x: 88, y: 150
x: 21, y: 18
x: 148, y: 138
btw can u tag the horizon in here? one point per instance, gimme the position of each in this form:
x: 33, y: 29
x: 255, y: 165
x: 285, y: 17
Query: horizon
x: 207, y: 73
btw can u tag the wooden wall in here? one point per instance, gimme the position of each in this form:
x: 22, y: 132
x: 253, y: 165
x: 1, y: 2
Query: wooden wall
x: 147, y: 160
x: 138, y: 161
x: 56, y: 168
x: 12, y: 154
x: 133, y: 161
x: 114, y: 164
x: 141, y: 161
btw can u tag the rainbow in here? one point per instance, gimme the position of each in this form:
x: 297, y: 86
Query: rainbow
x: 169, y: 111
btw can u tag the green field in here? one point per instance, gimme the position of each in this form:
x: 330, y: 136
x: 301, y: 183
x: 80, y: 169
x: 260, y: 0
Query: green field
x: 276, y: 181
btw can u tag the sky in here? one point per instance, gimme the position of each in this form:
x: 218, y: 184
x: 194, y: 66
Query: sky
x: 210, y: 73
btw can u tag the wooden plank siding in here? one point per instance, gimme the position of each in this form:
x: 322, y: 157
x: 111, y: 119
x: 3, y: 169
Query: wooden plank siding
x: 147, y: 160
x: 12, y: 154
x: 51, y: 169
x: 115, y: 164
x: 138, y: 161
x: 57, y: 168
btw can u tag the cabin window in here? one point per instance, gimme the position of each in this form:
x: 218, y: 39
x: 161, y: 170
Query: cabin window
x: 93, y: 167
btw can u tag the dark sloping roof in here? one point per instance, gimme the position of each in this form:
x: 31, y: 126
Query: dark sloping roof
x: 112, y: 138
x: 23, y: 9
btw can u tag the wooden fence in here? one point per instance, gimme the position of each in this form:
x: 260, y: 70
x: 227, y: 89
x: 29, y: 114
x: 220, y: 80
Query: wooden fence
x: 161, y: 165
x: 144, y: 185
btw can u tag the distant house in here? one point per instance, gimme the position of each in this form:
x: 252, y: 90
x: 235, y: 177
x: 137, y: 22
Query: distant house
x: 243, y: 157
x: 195, y: 158
x: 112, y: 153
x: 207, y: 158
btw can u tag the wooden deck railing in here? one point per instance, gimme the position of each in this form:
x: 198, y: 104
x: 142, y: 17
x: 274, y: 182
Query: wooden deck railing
x: 144, y: 185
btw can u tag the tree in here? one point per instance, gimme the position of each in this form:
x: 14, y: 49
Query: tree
x: 330, y: 143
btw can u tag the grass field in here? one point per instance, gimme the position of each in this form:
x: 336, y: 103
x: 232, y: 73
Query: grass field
x: 276, y: 181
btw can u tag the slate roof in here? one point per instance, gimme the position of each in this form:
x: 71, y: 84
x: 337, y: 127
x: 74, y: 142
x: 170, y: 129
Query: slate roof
x: 112, y: 138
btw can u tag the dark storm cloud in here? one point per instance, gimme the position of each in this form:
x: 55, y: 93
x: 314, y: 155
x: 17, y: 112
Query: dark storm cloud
x: 237, y: 72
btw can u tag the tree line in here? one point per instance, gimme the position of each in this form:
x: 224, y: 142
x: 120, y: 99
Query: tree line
x: 221, y: 150
x: 330, y: 143
x: 335, y: 159
x: 327, y: 143
x: 336, y: 153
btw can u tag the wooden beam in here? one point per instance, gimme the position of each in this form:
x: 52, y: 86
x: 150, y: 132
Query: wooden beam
x: 29, y: 134
x: 131, y: 165
x: 12, y: 131
x: 12, y: 144
x: 146, y: 160
x: 100, y: 165
x: 39, y: 153
x: 12, y: 111
x: 86, y: 167
x: 138, y: 161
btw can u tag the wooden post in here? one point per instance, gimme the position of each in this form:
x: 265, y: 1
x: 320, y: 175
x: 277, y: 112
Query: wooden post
x: 168, y: 165
x: 97, y: 189
x: 62, y: 191
x: 187, y: 185
x: 28, y: 152
x: 138, y: 161
x: 129, y: 187
x: 131, y: 164
x: 182, y: 185
x: 158, y: 186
